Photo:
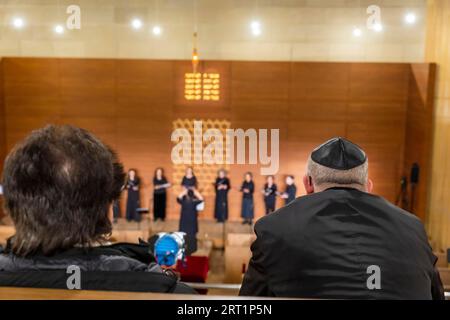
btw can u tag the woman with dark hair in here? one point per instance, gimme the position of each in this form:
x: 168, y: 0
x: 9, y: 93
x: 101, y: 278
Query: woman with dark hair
x: 247, y: 189
x: 222, y: 186
x: 133, y: 199
x: 189, y: 199
x: 59, y: 184
x: 270, y: 194
x: 189, y: 180
x: 160, y: 185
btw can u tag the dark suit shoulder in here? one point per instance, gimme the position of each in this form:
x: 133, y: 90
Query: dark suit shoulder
x: 305, y: 207
x: 272, y: 223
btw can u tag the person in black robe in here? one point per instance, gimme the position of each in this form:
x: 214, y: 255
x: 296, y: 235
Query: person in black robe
x: 291, y: 190
x: 340, y: 241
x: 133, y: 199
x: 189, y: 180
x: 222, y: 186
x: 189, y: 199
x: 270, y: 194
x: 116, y: 210
x: 160, y: 185
x: 247, y: 189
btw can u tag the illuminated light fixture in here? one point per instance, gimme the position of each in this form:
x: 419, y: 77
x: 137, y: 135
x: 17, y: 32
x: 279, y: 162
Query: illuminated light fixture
x: 357, y: 32
x: 136, y: 24
x: 59, y: 29
x: 410, y: 18
x: 255, y: 24
x: 18, y: 23
x: 202, y: 86
x: 195, y: 58
x: 378, y: 27
x: 156, y: 30
x: 256, y: 32
x: 255, y: 27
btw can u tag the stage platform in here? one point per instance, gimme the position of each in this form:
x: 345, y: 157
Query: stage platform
x: 209, y: 230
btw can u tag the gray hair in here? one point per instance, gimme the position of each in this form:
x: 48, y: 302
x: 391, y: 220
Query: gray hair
x: 324, y: 177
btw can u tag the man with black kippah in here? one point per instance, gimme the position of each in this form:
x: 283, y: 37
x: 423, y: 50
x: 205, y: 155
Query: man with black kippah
x: 340, y: 241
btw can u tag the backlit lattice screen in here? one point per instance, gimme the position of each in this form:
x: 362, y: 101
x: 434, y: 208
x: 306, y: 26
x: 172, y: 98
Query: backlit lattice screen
x: 202, y: 86
x: 205, y: 173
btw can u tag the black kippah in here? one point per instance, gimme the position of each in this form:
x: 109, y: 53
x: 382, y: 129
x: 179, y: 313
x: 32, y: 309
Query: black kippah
x: 340, y: 154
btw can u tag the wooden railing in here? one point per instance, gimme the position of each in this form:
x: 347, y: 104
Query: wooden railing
x: 12, y: 293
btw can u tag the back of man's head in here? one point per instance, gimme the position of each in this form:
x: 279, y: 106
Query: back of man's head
x: 337, y: 163
x: 58, y: 185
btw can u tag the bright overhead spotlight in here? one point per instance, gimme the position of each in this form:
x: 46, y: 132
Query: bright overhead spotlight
x: 18, y: 23
x: 136, y: 24
x: 410, y: 18
x: 378, y: 27
x: 357, y: 32
x: 255, y: 26
x: 156, y: 30
x: 59, y: 29
x: 256, y: 32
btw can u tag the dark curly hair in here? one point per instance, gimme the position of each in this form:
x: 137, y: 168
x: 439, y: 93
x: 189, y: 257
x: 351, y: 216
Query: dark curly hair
x: 58, y: 186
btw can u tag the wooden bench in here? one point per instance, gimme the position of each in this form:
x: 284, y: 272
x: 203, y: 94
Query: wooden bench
x: 442, y: 259
x: 237, y: 256
x: 445, y: 276
x: 10, y: 293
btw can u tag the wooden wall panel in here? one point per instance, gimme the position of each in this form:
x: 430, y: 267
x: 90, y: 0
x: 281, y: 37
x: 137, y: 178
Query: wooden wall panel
x: 144, y: 95
x: 419, y: 130
x: 379, y: 82
x: 87, y: 88
x: 131, y: 105
x: 260, y: 81
x: 320, y: 81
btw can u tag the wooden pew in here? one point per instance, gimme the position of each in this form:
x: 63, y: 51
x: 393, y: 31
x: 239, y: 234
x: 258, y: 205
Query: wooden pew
x: 445, y: 276
x: 442, y: 259
x: 237, y: 255
x: 10, y: 293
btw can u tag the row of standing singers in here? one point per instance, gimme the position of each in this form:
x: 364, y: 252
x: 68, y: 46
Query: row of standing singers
x: 190, y: 198
x: 222, y: 187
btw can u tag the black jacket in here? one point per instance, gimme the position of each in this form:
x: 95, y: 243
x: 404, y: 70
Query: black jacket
x: 119, y: 267
x: 321, y: 246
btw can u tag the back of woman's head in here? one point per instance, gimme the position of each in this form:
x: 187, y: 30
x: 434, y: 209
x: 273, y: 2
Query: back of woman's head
x: 58, y: 185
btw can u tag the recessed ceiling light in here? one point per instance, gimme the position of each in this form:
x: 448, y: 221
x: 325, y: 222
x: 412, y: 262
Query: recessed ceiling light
x: 255, y: 24
x: 378, y: 27
x: 157, y: 30
x: 357, y: 32
x: 136, y: 24
x: 18, y: 23
x: 255, y: 27
x: 59, y: 29
x: 410, y: 18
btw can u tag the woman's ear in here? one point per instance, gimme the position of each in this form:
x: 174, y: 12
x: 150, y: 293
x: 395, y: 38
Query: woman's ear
x: 307, y: 182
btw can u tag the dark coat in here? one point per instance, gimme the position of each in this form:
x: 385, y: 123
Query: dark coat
x: 159, y: 199
x: 189, y: 182
x: 270, y: 197
x: 247, y: 211
x: 133, y: 200
x: 321, y: 245
x: 291, y: 192
x: 119, y: 267
x: 189, y: 221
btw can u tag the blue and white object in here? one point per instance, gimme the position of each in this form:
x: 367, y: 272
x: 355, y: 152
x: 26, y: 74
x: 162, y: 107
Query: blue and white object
x: 170, y: 247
